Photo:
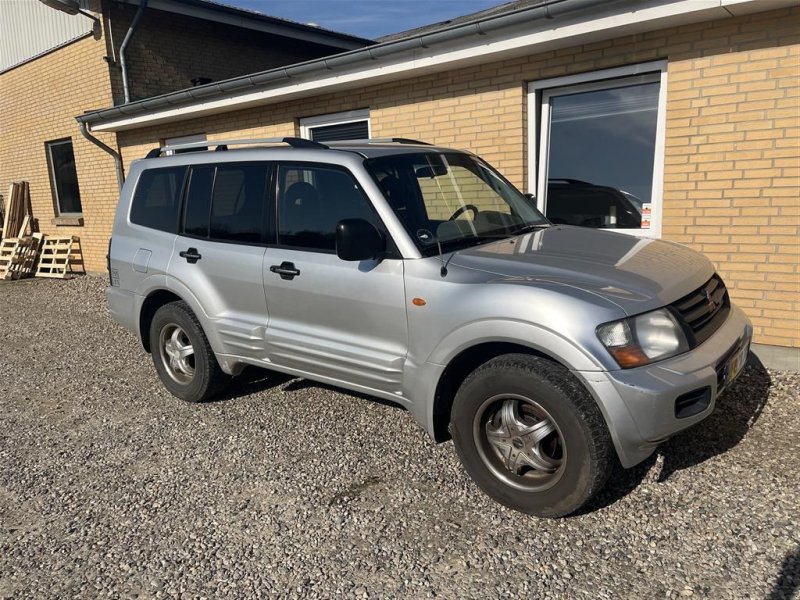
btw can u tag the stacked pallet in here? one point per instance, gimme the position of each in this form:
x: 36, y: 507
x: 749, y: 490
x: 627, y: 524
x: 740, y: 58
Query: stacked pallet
x: 23, y: 254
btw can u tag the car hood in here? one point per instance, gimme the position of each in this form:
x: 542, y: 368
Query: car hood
x: 637, y: 274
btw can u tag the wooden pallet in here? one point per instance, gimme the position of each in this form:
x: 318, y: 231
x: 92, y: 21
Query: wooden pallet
x: 8, y: 253
x: 18, y: 256
x: 57, y: 257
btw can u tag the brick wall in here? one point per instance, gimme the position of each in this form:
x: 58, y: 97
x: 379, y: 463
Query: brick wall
x: 38, y: 103
x: 731, y: 181
x: 168, y: 50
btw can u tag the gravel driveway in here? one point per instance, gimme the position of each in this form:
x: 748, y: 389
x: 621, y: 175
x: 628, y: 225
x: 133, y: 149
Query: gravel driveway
x: 109, y: 486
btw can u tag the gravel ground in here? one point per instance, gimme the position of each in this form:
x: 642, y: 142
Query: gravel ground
x: 109, y: 486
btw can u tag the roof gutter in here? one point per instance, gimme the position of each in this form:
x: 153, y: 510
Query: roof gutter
x: 513, y: 33
x: 122, y: 61
x: 548, y: 9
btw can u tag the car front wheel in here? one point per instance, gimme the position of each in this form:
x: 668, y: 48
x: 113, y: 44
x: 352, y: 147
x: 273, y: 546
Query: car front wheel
x: 531, y: 436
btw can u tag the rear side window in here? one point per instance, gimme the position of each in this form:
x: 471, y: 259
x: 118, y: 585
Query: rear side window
x: 238, y: 203
x: 156, y: 201
x: 227, y: 203
x: 198, y: 202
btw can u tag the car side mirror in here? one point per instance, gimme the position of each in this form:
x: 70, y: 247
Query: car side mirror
x: 357, y: 239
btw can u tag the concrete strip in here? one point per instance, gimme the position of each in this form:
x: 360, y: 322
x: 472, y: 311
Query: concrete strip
x: 779, y: 358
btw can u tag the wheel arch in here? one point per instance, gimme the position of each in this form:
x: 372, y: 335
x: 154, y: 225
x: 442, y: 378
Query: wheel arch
x: 460, y: 366
x: 154, y: 300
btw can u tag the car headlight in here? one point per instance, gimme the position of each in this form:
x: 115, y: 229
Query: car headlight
x: 643, y: 339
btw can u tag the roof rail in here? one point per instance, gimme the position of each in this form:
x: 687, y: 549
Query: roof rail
x: 222, y: 145
x: 392, y: 140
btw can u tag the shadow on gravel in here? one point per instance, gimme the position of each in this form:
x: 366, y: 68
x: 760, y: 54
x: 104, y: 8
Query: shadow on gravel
x: 788, y: 581
x: 735, y: 413
x: 251, y: 381
x: 302, y: 384
x: 254, y: 379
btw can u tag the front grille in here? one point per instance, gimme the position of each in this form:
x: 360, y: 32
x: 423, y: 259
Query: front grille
x: 703, y: 311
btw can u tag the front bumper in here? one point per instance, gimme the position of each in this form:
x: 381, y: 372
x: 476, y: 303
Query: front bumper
x: 640, y: 404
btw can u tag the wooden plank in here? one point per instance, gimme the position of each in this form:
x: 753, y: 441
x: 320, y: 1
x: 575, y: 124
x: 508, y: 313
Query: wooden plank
x: 10, y: 208
x: 7, y: 209
x: 24, y: 228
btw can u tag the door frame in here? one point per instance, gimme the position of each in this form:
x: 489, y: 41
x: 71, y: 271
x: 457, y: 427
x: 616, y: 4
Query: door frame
x: 539, y: 93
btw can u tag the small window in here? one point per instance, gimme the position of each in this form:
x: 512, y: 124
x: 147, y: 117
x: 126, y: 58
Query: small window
x: 312, y: 200
x: 198, y: 202
x: 237, y: 204
x: 156, y: 201
x: 64, y: 177
x: 352, y: 125
x: 186, y: 139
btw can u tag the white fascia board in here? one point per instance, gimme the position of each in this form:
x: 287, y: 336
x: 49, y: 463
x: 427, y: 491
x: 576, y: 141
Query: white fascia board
x: 560, y: 33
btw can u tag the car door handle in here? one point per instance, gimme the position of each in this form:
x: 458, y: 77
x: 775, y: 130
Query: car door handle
x: 191, y: 255
x: 286, y: 270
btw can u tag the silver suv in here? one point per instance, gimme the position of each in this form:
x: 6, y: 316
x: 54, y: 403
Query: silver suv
x: 419, y: 275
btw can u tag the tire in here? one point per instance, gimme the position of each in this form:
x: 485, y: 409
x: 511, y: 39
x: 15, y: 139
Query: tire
x: 531, y: 436
x: 182, y: 355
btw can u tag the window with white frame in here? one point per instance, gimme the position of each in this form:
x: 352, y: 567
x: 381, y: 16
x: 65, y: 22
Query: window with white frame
x: 186, y: 139
x: 64, y: 177
x: 597, y: 148
x: 351, y: 125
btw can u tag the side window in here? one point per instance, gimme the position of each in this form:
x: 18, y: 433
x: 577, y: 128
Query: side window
x: 61, y: 159
x: 198, y: 202
x: 312, y: 200
x: 156, y: 201
x: 238, y: 203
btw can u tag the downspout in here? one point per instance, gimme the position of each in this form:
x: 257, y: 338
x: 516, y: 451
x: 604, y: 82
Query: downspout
x: 124, y: 46
x: 115, y: 155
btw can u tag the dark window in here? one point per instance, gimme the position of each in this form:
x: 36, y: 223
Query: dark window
x: 238, y: 202
x: 64, y: 176
x: 357, y: 130
x: 198, y: 202
x: 156, y: 202
x: 312, y: 200
x: 601, y: 153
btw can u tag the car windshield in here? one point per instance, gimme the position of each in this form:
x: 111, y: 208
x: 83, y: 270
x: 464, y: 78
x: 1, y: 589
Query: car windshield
x: 452, y: 199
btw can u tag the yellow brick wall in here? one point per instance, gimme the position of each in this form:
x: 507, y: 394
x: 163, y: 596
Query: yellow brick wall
x: 731, y: 180
x: 38, y: 103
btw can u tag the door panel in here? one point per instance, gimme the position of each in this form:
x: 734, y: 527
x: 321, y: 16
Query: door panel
x: 328, y: 317
x: 228, y: 285
x: 344, y: 320
x: 216, y: 256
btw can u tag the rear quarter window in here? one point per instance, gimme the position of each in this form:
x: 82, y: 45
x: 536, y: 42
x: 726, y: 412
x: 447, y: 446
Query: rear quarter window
x: 157, y: 198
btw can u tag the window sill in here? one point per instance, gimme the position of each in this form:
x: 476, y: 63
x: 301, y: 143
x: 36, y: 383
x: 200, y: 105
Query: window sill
x: 75, y: 221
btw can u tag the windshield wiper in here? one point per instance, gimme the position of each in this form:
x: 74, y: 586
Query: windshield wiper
x: 531, y: 227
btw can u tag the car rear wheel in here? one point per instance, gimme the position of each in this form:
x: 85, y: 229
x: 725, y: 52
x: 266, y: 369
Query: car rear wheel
x: 531, y: 436
x: 182, y: 355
